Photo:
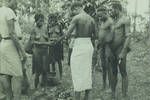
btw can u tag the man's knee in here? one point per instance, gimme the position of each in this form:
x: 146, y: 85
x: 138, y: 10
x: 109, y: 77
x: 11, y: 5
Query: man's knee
x: 123, y: 73
x: 5, y: 81
x: 16, y: 85
x: 2, y: 81
x: 114, y: 70
x: 122, y: 68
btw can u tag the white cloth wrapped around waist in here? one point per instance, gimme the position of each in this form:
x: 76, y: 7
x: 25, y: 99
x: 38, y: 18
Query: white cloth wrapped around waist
x: 81, y: 64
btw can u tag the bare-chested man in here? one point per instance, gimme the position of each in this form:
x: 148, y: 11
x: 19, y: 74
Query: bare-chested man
x: 81, y: 57
x: 119, y: 47
x: 105, y: 38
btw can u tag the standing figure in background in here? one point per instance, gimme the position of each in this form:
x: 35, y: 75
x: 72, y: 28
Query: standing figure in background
x: 81, y: 57
x: 39, y: 36
x: 12, y: 54
x: 119, y: 47
x: 105, y: 38
x: 55, y: 51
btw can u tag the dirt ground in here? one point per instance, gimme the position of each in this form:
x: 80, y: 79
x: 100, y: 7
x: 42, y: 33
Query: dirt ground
x: 138, y: 66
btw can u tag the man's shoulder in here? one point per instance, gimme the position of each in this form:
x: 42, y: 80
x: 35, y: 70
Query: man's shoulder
x: 88, y: 17
x: 83, y: 16
x: 7, y: 9
x: 76, y: 17
x: 125, y: 19
x: 34, y: 28
x: 110, y: 20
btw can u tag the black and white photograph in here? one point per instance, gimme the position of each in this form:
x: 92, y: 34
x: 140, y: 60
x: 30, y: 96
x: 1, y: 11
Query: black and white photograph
x: 74, y: 49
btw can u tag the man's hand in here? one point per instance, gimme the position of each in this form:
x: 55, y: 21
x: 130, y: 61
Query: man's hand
x: 24, y: 57
x: 121, y: 55
x: 35, y: 42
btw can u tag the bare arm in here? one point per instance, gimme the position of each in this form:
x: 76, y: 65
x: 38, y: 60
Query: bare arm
x: 128, y: 38
x: 107, y: 23
x: 15, y: 38
x: 70, y: 29
x: 13, y: 34
x: 94, y: 35
x: 123, y: 20
x: 94, y: 30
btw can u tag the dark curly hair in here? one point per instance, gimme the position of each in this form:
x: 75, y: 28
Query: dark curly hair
x: 116, y: 5
x: 76, y: 4
x: 38, y: 16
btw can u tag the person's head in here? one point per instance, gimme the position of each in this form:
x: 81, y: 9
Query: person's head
x: 12, y: 4
x: 76, y: 7
x: 102, y: 13
x: 53, y: 18
x: 89, y: 8
x: 116, y: 8
x: 4, y: 2
x: 39, y: 19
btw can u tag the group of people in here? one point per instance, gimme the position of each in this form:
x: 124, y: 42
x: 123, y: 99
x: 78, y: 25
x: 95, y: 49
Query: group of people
x: 45, y: 52
x: 107, y: 36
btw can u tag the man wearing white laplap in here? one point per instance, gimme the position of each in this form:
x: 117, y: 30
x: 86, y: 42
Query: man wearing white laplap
x: 81, y: 58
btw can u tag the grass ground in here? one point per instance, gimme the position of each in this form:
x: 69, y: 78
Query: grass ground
x: 138, y: 66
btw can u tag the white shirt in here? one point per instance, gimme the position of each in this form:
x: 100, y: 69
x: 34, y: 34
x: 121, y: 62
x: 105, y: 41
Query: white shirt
x: 5, y: 15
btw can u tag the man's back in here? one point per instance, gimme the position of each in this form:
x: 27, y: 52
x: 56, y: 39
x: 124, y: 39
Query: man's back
x: 85, y: 25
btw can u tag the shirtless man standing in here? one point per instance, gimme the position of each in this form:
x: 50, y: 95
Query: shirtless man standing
x: 105, y: 37
x: 119, y: 47
x: 81, y: 59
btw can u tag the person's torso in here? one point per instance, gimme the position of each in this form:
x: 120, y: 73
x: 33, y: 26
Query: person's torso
x: 55, y: 32
x: 40, y: 34
x: 119, y: 36
x: 84, y: 26
x: 4, y: 30
x: 107, y: 34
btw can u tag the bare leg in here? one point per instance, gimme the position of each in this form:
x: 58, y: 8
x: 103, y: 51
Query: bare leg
x: 44, y: 73
x: 77, y: 95
x: 60, y: 68
x: 16, y: 84
x: 44, y: 80
x: 113, y: 85
x: 87, y: 93
x: 109, y: 75
x: 113, y: 74
x: 104, y: 77
x: 123, y: 72
x: 7, y: 87
x: 103, y: 64
x: 36, y: 81
x: 2, y: 95
x: 53, y: 68
x: 69, y: 55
